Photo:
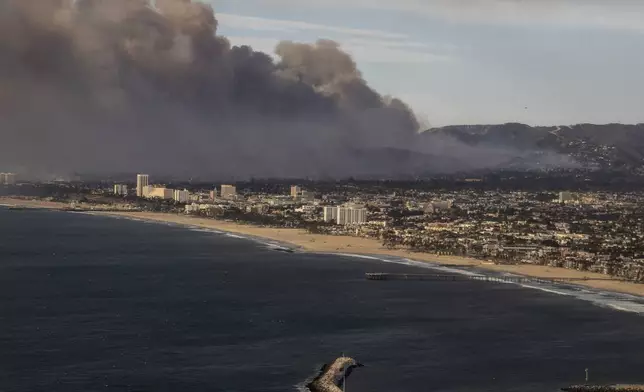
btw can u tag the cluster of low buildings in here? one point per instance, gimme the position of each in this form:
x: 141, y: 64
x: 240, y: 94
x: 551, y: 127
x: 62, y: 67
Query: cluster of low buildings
x: 591, y: 231
x: 301, y: 195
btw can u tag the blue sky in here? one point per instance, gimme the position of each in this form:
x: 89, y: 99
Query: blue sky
x: 541, y: 62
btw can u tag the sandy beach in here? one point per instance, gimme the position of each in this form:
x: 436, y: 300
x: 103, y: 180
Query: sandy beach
x: 350, y: 245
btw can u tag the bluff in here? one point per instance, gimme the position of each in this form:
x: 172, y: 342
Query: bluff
x: 608, y: 146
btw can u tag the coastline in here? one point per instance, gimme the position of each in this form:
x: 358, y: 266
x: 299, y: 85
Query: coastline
x: 319, y: 243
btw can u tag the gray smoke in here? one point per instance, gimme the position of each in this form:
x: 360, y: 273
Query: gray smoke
x: 135, y: 85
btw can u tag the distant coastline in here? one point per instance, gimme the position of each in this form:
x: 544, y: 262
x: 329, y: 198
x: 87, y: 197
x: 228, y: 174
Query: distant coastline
x: 320, y: 243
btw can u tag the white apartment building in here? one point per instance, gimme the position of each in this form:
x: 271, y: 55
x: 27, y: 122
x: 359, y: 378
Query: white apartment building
x: 182, y: 196
x: 142, y: 181
x: 346, y: 215
x: 295, y: 191
x: 120, y: 190
x: 330, y: 214
x: 342, y: 216
x: 357, y: 216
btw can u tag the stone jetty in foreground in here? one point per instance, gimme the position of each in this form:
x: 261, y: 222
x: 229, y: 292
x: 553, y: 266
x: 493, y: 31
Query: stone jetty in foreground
x: 605, y: 388
x: 333, y: 375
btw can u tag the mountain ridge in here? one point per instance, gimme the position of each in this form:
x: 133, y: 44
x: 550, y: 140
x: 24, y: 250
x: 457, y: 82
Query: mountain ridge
x: 612, y: 145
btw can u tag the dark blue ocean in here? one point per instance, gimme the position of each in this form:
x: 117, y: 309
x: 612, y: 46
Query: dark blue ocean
x: 91, y: 303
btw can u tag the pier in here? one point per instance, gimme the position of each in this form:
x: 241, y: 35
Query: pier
x: 479, y: 278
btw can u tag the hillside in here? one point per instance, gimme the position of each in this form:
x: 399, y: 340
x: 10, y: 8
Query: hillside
x: 610, y: 146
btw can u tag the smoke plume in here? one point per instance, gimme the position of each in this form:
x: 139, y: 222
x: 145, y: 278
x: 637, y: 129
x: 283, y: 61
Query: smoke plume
x: 136, y: 85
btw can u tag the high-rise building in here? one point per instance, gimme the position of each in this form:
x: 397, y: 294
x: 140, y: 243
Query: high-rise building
x: 330, y: 214
x: 228, y: 191
x: 142, y: 180
x: 358, y: 216
x: 343, y: 216
x: 346, y: 215
x: 120, y: 190
x: 7, y: 178
x: 181, y: 196
x: 213, y: 194
x: 295, y: 191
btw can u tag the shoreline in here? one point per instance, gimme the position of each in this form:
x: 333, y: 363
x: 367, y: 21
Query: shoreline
x: 318, y: 243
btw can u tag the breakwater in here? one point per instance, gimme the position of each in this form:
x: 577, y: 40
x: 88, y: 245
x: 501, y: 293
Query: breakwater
x: 604, y: 388
x: 333, y: 376
x: 481, y: 278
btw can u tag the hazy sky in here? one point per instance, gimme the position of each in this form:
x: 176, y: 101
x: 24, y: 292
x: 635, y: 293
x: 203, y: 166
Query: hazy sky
x: 540, y: 62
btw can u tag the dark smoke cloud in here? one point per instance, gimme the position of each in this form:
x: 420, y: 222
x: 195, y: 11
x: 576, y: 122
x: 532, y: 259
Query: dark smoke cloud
x: 110, y: 86
x: 135, y: 85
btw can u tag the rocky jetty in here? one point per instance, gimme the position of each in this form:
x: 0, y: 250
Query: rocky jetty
x: 604, y: 388
x: 333, y: 375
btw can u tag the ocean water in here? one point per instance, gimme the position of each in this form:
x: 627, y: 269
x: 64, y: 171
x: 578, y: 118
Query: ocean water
x: 90, y: 303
